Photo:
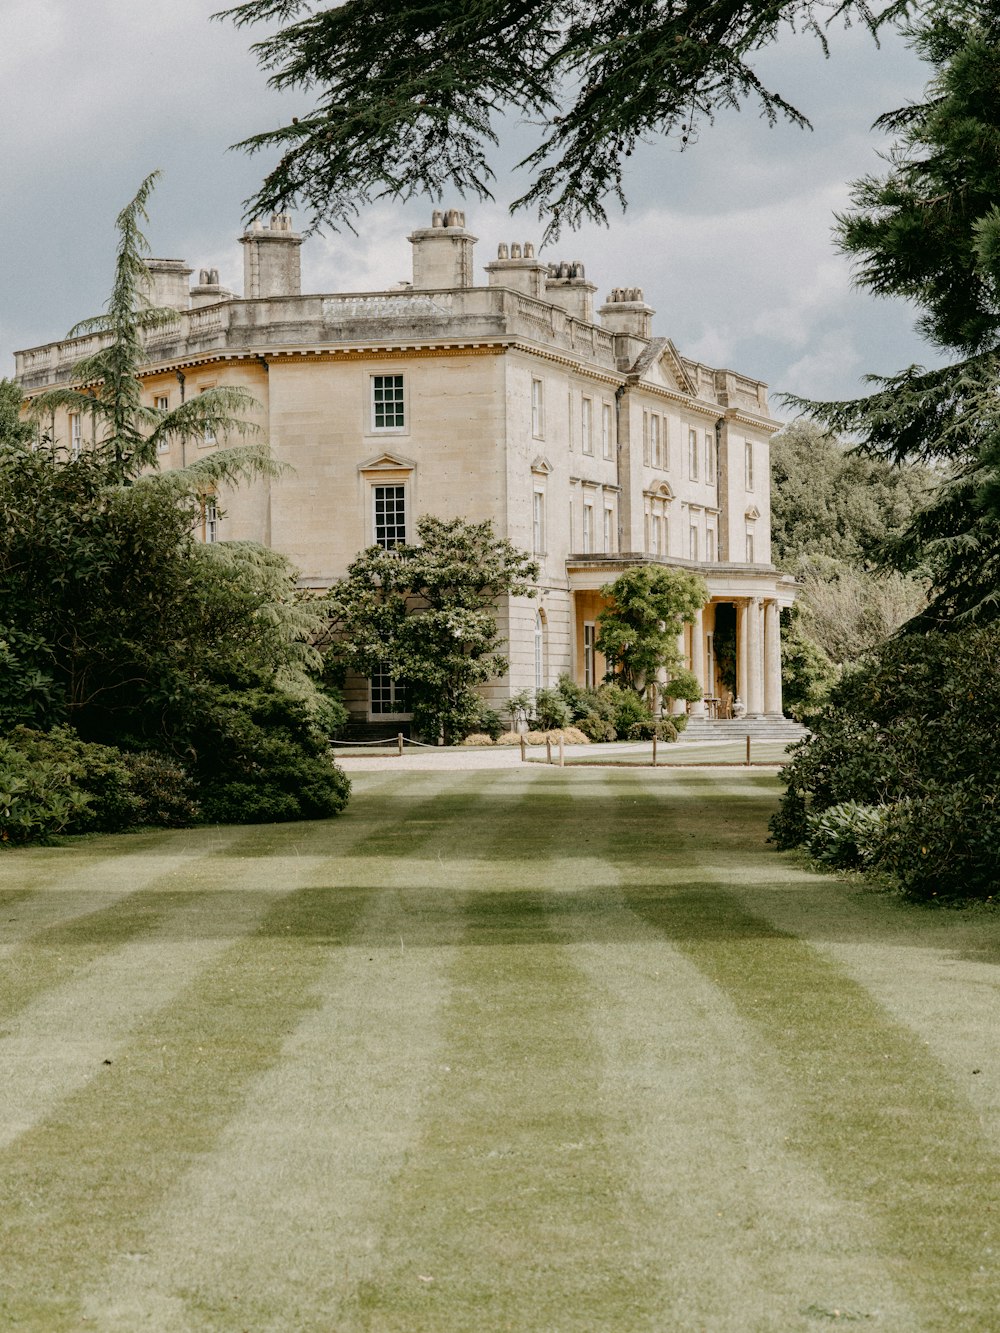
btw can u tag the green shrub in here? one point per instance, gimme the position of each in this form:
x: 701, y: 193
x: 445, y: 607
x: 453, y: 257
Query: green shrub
x: 912, y: 729
x: 596, y: 728
x: 98, y: 771
x: 259, y: 759
x: 649, y: 727
x: 39, y: 796
x: 551, y: 710
x: 845, y: 836
x: 627, y: 709
x: 488, y: 722
x: 683, y: 684
x: 163, y: 790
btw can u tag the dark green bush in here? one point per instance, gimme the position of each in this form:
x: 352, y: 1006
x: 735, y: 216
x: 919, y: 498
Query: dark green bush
x: 914, y: 729
x: 260, y: 759
x: 98, y: 771
x: 489, y: 722
x: 163, y: 790
x: 39, y: 796
x: 649, y: 727
x: 596, y: 728
x: 846, y: 836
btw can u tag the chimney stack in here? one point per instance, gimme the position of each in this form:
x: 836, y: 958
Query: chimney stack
x: 442, y: 252
x: 626, y: 312
x: 167, y: 285
x: 272, y: 264
x: 567, y: 286
x: 516, y: 266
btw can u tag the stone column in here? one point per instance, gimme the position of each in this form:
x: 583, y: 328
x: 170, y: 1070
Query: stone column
x: 742, y: 649
x: 772, y: 659
x: 698, y: 661
x: 755, y: 660
x: 678, y: 706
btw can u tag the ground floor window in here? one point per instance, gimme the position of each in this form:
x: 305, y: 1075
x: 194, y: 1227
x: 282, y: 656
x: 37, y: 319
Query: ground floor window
x: 389, y: 696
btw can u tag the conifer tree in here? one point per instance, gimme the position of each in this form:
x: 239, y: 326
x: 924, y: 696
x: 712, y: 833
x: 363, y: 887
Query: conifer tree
x: 929, y: 230
x: 408, y: 93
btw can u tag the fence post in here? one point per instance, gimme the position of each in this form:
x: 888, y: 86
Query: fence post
x: 562, y: 760
x: 524, y: 752
x: 748, y: 749
x: 399, y: 741
x: 654, y: 749
x: 548, y: 749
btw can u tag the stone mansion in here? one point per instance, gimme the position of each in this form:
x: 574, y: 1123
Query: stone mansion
x: 585, y: 438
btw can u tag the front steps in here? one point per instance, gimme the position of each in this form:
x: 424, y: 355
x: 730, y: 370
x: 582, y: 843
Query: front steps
x: 736, y: 729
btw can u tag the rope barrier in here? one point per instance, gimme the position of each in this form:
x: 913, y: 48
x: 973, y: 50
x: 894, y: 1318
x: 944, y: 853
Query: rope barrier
x: 386, y: 744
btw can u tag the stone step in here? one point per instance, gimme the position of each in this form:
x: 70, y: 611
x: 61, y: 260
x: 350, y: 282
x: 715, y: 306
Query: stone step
x: 763, y: 728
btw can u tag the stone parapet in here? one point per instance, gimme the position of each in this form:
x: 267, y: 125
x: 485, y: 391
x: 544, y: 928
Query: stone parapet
x: 362, y: 319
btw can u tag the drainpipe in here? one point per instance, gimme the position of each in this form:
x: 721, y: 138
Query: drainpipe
x: 179, y: 376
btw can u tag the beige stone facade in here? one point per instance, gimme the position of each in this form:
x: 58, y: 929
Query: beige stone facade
x: 583, y: 437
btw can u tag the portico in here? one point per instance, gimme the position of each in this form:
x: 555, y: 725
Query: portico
x: 734, y: 645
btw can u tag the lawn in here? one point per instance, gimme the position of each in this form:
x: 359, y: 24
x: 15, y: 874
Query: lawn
x: 531, y: 1049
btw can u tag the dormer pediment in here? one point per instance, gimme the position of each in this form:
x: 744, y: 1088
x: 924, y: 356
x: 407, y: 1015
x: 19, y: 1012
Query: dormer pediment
x: 660, y: 365
x: 541, y: 465
x: 752, y: 513
x: 387, y: 463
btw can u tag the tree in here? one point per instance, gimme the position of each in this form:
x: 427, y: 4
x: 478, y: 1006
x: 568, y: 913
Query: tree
x: 647, y: 607
x: 828, y: 501
x: 408, y: 92
x: 106, y: 386
x: 833, y: 511
x: 113, y: 619
x: 425, y: 613
x: 929, y: 231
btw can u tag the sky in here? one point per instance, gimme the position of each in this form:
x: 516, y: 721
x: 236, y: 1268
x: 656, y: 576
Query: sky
x: 730, y: 240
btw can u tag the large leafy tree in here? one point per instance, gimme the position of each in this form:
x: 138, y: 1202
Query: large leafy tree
x: 407, y: 94
x: 115, y: 620
x: 647, y: 608
x: 929, y: 230
x: 426, y: 614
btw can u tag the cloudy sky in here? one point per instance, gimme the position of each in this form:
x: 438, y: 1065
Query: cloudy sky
x: 730, y: 241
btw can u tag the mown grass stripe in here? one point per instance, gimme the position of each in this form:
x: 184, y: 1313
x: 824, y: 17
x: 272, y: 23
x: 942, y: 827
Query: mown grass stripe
x: 312, y: 1151
x: 871, y: 1109
x: 508, y: 1213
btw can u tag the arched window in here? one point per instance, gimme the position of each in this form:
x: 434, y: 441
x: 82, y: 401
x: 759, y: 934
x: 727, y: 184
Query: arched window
x: 539, y: 651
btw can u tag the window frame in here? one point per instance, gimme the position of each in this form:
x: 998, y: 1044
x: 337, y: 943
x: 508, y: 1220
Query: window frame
x: 693, y: 454
x: 586, y: 425
x: 748, y: 462
x: 394, y: 713
x: 402, y: 497
x: 396, y: 427
x: 590, y: 654
x: 537, y: 408
x: 606, y: 429
x: 538, y: 521
x: 75, y: 435
x: 588, y: 527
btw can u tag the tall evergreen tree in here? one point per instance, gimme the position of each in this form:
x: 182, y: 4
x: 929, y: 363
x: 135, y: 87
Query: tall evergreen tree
x: 408, y: 92
x: 929, y: 230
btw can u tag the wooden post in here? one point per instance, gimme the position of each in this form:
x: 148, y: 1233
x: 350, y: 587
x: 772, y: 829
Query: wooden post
x: 748, y: 749
x: 562, y: 760
x: 524, y: 751
x: 399, y: 741
x: 548, y: 749
x: 654, y: 749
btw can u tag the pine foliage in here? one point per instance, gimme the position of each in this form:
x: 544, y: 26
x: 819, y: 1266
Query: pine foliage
x: 408, y: 94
